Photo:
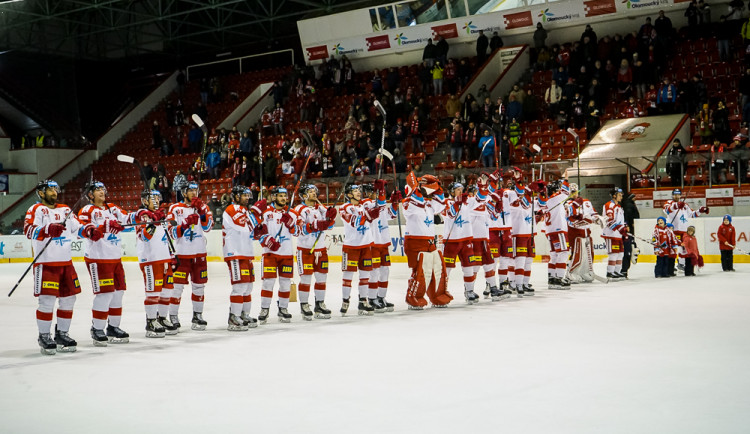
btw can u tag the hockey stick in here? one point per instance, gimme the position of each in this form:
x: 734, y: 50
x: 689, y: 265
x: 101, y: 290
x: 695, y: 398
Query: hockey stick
x: 686, y: 196
x: 388, y: 155
x: 157, y: 222
x: 738, y: 249
x: 381, y: 109
x: 311, y: 151
x: 566, y: 199
x: 39, y: 255
x: 260, y: 149
x: 341, y: 193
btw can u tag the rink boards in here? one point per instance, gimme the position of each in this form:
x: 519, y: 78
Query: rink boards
x: 18, y: 248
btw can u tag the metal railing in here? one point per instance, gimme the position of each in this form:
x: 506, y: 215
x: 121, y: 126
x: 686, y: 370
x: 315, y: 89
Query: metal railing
x: 238, y: 60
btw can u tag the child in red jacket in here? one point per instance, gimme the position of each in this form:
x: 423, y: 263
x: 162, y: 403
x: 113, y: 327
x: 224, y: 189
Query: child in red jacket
x: 665, y: 244
x: 692, y: 255
x: 727, y: 242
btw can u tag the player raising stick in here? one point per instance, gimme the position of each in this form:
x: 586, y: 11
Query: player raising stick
x: 556, y: 229
x: 381, y: 258
x: 357, y: 249
x: 458, y: 239
x: 678, y: 214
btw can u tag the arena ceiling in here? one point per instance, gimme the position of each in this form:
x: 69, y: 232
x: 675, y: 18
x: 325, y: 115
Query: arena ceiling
x: 107, y: 29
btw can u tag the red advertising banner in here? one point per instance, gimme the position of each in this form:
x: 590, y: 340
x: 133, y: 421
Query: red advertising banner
x: 378, y: 43
x: 593, y: 8
x: 319, y: 52
x: 518, y: 20
x: 446, y: 30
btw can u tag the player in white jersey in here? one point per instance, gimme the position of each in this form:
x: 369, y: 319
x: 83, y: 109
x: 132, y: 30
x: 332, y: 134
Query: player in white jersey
x: 581, y: 215
x: 556, y: 229
x: 501, y: 244
x: 52, y: 227
x: 480, y: 219
x: 613, y: 232
x: 524, y: 251
x: 104, y: 261
x: 240, y: 228
x: 193, y: 220
x: 424, y: 199
x: 313, y: 220
x: 678, y: 214
x: 381, y: 258
x: 155, y: 260
x: 357, y: 249
x: 278, y: 255
x: 458, y: 237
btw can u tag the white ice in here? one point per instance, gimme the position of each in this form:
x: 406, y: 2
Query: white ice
x: 642, y: 356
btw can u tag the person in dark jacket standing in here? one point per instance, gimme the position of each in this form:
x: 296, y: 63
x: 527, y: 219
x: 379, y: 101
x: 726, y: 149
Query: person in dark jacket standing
x: 631, y: 213
x: 675, y: 162
x: 482, y: 44
x: 495, y: 42
x: 430, y: 53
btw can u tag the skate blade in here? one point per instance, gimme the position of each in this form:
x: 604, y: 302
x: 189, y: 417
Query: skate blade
x: 285, y: 320
x: 171, y: 332
x: 198, y: 327
x: 365, y: 313
x: 519, y: 295
x: 383, y: 310
x: 100, y: 343
x: 470, y: 302
x: 389, y: 309
x: 439, y: 306
x: 232, y: 328
x: 528, y: 294
x: 62, y: 349
x: 307, y: 317
x: 155, y: 335
x: 114, y: 340
x: 252, y: 325
x: 416, y: 307
x: 262, y: 321
x: 323, y: 316
x: 48, y: 351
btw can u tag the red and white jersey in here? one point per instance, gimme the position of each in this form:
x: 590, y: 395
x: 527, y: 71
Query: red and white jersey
x: 586, y: 210
x: 357, y: 230
x: 306, y: 215
x: 110, y: 246
x: 614, y: 220
x: 665, y: 241
x: 521, y: 217
x: 191, y: 242
x: 556, y: 217
x: 419, y: 213
x: 500, y: 207
x: 272, y: 219
x: 278, y: 115
x: 239, y: 224
x: 457, y: 225
x: 380, y: 229
x: 479, y: 216
x: 266, y: 119
x: 150, y: 248
x: 679, y: 217
x: 58, y: 252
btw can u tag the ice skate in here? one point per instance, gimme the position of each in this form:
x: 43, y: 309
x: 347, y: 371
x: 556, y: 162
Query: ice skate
x: 518, y: 290
x: 564, y: 283
x: 610, y: 277
x: 487, y: 290
x: 617, y: 276
x: 99, y: 337
x: 116, y: 335
x: 236, y: 324
x: 377, y: 305
x: 249, y: 321
x: 65, y: 344
x: 498, y: 294
x: 344, y: 307
x: 284, y: 315
x: 388, y: 306
x: 321, y: 311
x: 364, y: 307
x: 528, y: 290
x: 471, y: 297
x: 263, y: 315
x: 154, y: 329
x: 46, y: 345
x: 554, y: 283
x: 307, y: 314
x: 168, y: 326
x: 198, y: 323
x: 175, y: 320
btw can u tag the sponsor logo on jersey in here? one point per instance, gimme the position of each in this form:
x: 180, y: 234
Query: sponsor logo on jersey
x: 106, y: 282
x: 308, y: 267
x: 245, y: 272
x: 269, y: 269
x: 375, y: 260
x: 180, y: 274
x: 50, y: 285
x: 286, y: 269
x: 159, y: 282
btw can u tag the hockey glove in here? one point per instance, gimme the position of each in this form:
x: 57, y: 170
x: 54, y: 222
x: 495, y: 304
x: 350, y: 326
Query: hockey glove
x: 379, y: 185
x: 52, y: 230
x: 288, y: 221
x: 464, y: 198
x: 539, y: 216
x: 703, y: 210
x: 150, y: 229
x: 396, y: 197
x: 112, y: 227
x: 319, y: 225
x: 372, y: 213
x: 624, y: 232
x: 260, y: 230
x: 93, y: 233
x: 199, y: 206
x: 261, y: 206
x: 331, y: 213
x: 271, y: 244
x: 159, y: 215
x: 190, y: 220
x: 680, y: 205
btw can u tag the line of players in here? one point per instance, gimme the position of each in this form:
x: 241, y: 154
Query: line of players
x: 489, y: 226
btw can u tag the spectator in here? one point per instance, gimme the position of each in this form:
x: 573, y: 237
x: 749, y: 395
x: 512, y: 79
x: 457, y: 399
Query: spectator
x: 483, y: 93
x: 278, y: 120
x: 201, y: 111
x: 441, y: 50
x: 495, y: 42
x: 464, y: 73
x: 639, y: 77
x: 578, y: 111
x: 456, y: 143
x: 693, y: 16
x: 213, y: 160
x: 590, y: 33
x: 415, y: 129
x: 718, y: 165
x: 399, y: 134
x: 676, y: 163
x: 517, y: 92
x: 705, y: 16
x: 270, y: 163
x: 724, y: 33
x: 429, y: 54
x: 471, y: 141
x: 178, y: 183
x: 400, y: 161
x: 437, y: 78
x: 540, y: 36
x: 515, y: 109
x: 514, y: 133
x: 204, y: 88
x: 425, y: 76
x: 552, y: 97
x: 592, y: 120
x: 667, y: 97
x: 453, y: 105
x: 156, y: 135
x: 482, y: 44
x: 393, y: 79
x: 721, y: 123
x: 705, y: 124
x: 487, y: 147
x: 727, y: 242
x: 624, y: 79
x: 450, y: 76
x: 246, y: 145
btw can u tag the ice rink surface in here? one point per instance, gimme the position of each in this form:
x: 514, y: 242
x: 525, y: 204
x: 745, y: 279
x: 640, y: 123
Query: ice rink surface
x: 641, y: 356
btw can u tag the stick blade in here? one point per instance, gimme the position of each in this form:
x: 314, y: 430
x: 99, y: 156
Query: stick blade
x: 198, y: 121
x: 387, y: 154
x: 380, y: 107
x: 125, y: 158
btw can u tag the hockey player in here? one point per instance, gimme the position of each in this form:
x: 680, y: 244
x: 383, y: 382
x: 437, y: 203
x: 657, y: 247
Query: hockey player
x: 665, y: 246
x: 48, y: 223
x: 501, y: 244
x: 480, y: 226
x: 613, y: 232
x: 155, y: 260
x: 556, y: 229
x: 522, y: 215
x: 381, y: 258
x: 458, y: 238
x: 424, y: 199
x: 313, y: 220
x: 581, y: 215
x: 357, y: 249
x: 104, y: 261
x: 277, y: 254
x: 240, y: 228
x: 193, y: 219
x: 678, y: 214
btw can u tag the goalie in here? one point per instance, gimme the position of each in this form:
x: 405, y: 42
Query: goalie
x: 581, y: 215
